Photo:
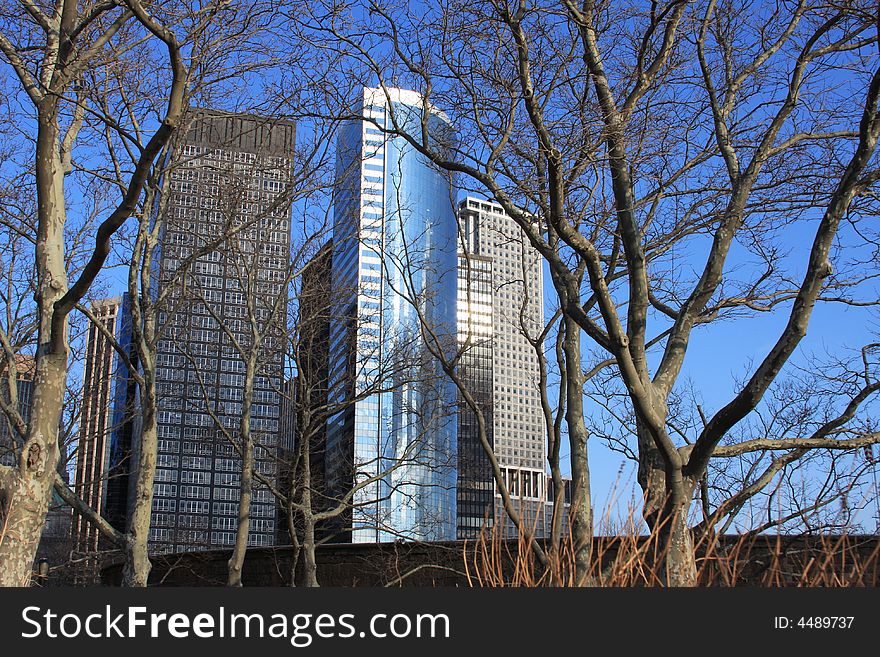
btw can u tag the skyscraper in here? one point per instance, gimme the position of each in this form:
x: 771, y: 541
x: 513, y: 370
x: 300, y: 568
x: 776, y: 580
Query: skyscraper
x: 228, y: 180
x: 475, y: 490
x: 95, y: 425
x: 25, y: 367
x: 126, y: 424
x: 517, y: 310
x: 312, y: 361
x: 394, y: 256
x: 304, y: 405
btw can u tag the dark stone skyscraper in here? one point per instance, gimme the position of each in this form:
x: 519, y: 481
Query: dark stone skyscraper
x: 224, y: 254
x: 312, y: 359
x: 304, y: 406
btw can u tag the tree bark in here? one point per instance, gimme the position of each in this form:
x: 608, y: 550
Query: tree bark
x: 310, y: 566
x: 27, y: 502
x: 236, y: 561
x: 581, y: 514
x: 666, y: 505
x: 680, y: 558
x: 136, y: 571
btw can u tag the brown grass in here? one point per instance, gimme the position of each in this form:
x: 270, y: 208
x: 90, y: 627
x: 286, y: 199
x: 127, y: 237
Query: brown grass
x: 629, y: 558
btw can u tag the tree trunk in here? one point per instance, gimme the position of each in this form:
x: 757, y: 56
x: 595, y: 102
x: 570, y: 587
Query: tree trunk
x: 581, y: 514
x: 26, y: 506
x: 236, y: 561
x: 310, y: 566
x: 27, y: 501
x: 136, y: 571
x: 680, y: 558
x: 31, y: 484
x: 666, y: 513
x: 295, y: 543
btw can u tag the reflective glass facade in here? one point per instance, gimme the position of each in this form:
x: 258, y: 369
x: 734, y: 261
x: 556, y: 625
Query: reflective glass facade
x: 394, y: 246
x: 126, y: 424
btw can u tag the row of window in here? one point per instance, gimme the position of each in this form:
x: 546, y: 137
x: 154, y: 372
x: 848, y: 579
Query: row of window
x: 259, y: 495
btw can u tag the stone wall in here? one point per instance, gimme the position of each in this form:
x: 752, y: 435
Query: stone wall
x: 443, y: 564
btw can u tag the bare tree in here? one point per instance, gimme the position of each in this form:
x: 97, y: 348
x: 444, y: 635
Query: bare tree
x: 105, y: 124
x: 320, y: 501
x: 49, y: 52
x: 626, y: 141
x: 257, y: 340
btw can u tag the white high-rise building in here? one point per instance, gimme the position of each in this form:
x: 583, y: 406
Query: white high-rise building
x: 518, y: 430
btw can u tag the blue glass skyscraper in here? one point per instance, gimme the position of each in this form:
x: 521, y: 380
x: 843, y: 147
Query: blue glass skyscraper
x: 391, y: 448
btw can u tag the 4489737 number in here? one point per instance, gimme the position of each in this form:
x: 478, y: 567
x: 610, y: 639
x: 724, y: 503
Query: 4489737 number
x: 814, y: 622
